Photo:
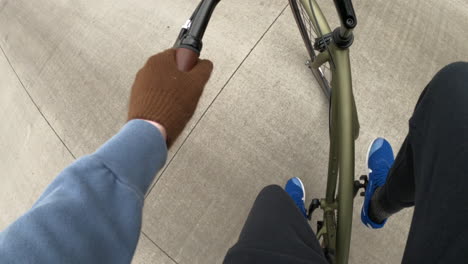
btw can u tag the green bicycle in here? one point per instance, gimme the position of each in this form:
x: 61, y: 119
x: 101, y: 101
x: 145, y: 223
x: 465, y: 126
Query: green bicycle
x: 330, y: 64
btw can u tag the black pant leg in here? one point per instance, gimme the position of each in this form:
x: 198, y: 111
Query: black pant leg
x: 431, y: 171
x: 398, y: 191
x: 275, y: 232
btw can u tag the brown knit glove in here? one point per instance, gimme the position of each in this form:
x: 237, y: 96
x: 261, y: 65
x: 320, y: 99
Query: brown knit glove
x: 163, y: 94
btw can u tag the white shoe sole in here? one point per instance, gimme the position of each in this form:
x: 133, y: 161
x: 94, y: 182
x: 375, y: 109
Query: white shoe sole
x: 369, y: 170
x: 303, y: 189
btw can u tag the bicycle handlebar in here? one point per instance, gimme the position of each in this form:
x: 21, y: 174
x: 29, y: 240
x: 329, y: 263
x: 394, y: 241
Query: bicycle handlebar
x: 346, y: 12
x: 186, y: 59
x: 189, y: 42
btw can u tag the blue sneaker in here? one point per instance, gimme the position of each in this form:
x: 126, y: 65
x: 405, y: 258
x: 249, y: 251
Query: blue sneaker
x: 295, y: 189
x: 379, y: 161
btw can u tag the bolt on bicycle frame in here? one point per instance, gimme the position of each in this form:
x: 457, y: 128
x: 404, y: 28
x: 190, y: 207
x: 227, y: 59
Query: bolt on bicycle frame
x: 344, y: 129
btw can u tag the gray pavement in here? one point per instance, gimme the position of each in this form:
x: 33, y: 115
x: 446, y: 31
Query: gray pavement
x: 66, y: 68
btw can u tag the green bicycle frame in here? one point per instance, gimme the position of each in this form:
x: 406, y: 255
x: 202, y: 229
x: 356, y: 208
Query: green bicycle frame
x: 344, y: 129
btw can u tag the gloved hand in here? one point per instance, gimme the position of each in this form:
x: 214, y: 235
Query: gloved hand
x: 163, y: 94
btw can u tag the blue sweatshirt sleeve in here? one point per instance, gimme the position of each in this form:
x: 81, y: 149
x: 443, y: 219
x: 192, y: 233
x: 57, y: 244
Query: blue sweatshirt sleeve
x: 92, y: 211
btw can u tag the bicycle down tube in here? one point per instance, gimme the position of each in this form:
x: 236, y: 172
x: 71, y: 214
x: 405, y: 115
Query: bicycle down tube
x: 344, y: 128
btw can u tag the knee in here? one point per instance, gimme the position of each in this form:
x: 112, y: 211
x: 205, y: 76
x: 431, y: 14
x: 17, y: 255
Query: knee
x: 454, y: 74
x: 451, y: 82
x: 455, y: 70
x: 271, y: 189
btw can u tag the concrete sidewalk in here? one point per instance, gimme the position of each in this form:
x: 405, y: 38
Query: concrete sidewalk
x: 66, y: 70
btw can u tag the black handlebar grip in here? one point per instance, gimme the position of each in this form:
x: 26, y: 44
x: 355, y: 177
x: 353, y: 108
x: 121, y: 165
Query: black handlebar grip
x: 186, y: 59
x: 346, y: 12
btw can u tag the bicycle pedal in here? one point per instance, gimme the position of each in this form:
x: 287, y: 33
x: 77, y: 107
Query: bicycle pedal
x: 314, y: 204
x: 319, y: 225
x: 361, y: 183
x: 364, y: 178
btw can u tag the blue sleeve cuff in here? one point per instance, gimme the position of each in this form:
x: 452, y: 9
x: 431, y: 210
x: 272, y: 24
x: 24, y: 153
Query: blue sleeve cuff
x: 135, y: 154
